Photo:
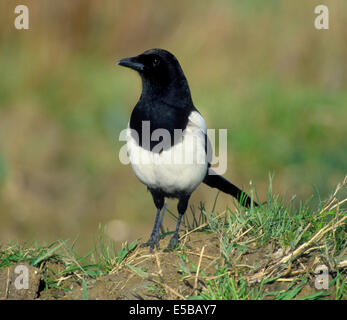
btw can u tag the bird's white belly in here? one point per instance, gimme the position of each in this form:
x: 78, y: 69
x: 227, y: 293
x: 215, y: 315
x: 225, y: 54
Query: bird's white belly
x: 181, y: 168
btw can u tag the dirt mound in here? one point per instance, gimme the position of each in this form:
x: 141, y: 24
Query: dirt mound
x: 165, y: 275
x: 161, y: 275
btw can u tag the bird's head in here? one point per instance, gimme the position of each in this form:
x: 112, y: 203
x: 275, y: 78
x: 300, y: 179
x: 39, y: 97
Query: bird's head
x: 161, y: 74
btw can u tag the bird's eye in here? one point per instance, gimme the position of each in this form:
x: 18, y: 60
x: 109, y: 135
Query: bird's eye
x: 155, y: 62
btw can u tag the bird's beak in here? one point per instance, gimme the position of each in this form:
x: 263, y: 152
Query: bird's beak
x: 131, y: 63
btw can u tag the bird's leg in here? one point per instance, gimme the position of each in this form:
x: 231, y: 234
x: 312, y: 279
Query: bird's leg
x: 155, y: 235
x: 162, y: 218
x: 181, y: 207
x: 174, y: 240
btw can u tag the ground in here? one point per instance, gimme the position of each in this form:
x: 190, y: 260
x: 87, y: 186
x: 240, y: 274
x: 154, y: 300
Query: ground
x: 269, y: 252
x: 169, y: 275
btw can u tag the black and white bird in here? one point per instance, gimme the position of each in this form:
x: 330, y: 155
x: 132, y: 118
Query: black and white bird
x: 166, y: 104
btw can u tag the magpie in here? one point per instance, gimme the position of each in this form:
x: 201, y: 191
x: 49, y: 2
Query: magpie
x: 166, y: 106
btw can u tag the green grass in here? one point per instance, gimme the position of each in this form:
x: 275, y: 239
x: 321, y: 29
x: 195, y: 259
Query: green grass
x: 301, y: 233
x: 282, y: 226
x: 80, y: 269
x: 227, y: 288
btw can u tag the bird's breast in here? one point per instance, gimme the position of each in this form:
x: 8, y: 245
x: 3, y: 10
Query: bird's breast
x: 179, y: 168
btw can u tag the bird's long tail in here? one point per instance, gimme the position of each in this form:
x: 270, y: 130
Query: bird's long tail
x: 222, y: 184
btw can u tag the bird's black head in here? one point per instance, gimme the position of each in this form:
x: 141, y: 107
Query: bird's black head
x: 162, y: 76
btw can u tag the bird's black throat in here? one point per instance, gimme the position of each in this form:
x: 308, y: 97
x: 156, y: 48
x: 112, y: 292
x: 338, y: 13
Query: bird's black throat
x: 164, y: 105
x: 159, y: 115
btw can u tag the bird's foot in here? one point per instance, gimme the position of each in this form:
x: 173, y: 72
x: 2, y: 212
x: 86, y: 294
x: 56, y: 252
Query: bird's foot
x: 153, y: 240
x: 173, y: 243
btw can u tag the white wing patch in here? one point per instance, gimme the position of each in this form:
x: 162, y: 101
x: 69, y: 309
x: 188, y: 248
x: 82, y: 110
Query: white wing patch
x: 196, y: 120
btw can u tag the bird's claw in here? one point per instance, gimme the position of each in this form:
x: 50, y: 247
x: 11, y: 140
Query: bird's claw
x: 173, y: 243
x: 153, y: 240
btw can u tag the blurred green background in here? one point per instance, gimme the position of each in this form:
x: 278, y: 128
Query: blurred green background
x: 258, y: 68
